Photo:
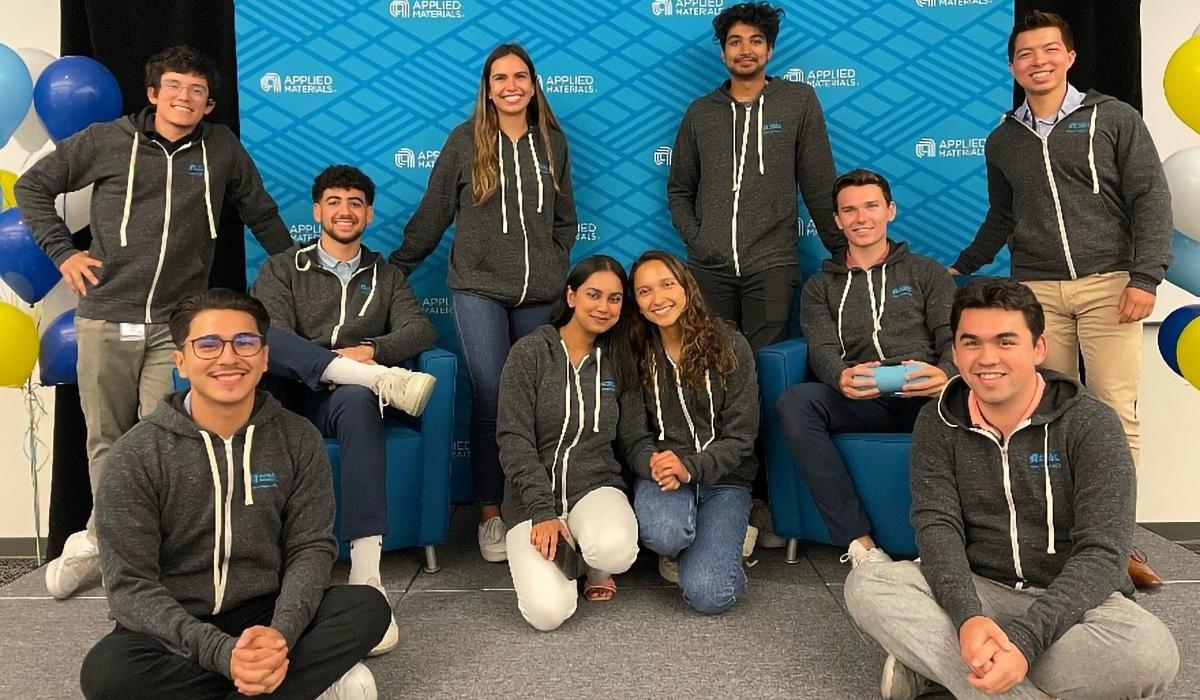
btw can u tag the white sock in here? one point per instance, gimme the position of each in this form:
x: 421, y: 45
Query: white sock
x: 343, y: 370
x: 364, y: 559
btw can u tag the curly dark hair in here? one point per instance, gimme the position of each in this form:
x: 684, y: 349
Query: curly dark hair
x: 762, y: 15
x: 346, y: 177
x: 707, y: 345
x: 181, y: 59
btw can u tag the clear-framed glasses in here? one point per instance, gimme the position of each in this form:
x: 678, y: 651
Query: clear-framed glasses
x: 210, y: 347
x: 195, y: 92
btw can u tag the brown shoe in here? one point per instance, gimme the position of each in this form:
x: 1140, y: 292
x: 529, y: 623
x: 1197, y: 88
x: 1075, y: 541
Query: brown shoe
x: 1141, y: 573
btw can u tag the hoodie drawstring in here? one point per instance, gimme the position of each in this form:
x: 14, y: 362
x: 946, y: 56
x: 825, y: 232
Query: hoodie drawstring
x: 307, y: 263
x: 212, y: 226
x: 1092, y: 150
x: 246, y: 485
x: 841, y: 308
x: 761, y: 102
x: 222, y: 519
x: 877, y: 316
x: 1049, y: 490
x: 371, y: 295
x: 738, y: 171
x: 520, y: 199
x: 712, y: 407
x: 566, y: 421
x: 503, y: 184
x: 662, y: 428
x: 596, y: 410
x: 537, y: 168
x: 129, y: 190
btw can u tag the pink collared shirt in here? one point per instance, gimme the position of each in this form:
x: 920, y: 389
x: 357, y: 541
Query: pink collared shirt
x: 979, y: 421
x: 852, y: 263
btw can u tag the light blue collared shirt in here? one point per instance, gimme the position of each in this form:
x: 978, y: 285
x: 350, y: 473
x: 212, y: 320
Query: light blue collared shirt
x: 1071, y: 102
x: 343, y: 269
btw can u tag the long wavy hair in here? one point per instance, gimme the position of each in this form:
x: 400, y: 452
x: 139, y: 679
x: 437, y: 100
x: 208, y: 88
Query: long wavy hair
x: 706, y: 338
x: 615, y: 343
x: 485, y: 172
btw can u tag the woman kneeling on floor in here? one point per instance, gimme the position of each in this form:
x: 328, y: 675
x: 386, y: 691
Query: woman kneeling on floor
x: 560, y: 405
x: 700, y: 392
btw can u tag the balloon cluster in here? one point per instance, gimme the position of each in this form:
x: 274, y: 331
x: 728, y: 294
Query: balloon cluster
x: 1179, y: 342
x: 43, y: 98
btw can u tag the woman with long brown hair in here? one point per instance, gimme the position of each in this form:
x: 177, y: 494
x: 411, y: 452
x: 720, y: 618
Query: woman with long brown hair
x: 700, y: 392
x: 504, y: 180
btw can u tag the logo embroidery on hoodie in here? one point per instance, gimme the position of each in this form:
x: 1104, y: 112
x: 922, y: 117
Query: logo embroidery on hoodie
x: 364, y: 287
x: 195, y: 169
x: 1035, y: 460
x: 263, y: 480
x: 902, y: 291
x: 608, y: 386
x: 772, y: 128
x: 1078, y: 127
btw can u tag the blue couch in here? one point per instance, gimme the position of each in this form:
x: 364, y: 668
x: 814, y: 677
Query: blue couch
x: 877, y: 462
x: 418, y: 476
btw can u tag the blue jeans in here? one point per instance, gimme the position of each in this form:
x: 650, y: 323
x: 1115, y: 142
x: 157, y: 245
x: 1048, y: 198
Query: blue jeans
x: 348, y: 414
x: 487, y: 330
x: 704, y: 526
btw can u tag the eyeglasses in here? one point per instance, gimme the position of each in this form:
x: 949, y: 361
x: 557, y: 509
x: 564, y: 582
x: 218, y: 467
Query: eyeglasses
x: 210, y: 347
x: 196, y: 92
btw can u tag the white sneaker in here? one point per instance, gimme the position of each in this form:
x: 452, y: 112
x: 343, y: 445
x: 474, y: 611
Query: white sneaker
x: 403, y: 389
x: 899, y: 682
x: 749, y: 541
x: 356, y: 684
x: 858, y: 555
x: 668, y: 568
x: 760, y: 517
x: 391, y: 638
x: 491, y: 540
x: 80, y: 560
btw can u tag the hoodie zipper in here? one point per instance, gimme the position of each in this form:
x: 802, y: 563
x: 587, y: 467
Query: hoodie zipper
x: 162, y: 249
x: 578, y: 431
x: 1008, y: 497
x: 342, y: 308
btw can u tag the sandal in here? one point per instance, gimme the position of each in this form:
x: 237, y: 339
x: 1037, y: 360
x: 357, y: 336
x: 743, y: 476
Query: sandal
x: 600, y: 592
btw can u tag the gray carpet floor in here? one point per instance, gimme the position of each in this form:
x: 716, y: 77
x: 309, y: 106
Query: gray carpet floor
x: 463, y: 637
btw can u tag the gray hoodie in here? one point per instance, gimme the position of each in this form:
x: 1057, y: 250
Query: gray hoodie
x: 515, y: 247
x: 194, y: 525
x: 556, y: 427
x: 1107, y: 208
x: 897, y: 310
x: 734, y: 172
x: 376, y: 304
x: 154, y: 215
x: 711, y: 429
x: 994, y: 509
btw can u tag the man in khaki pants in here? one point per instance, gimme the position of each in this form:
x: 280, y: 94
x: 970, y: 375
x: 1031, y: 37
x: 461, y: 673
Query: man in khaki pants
x: 159, y: 179
x: 1077, y: 192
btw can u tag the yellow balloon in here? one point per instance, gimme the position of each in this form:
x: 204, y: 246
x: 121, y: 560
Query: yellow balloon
x: 1181, y: 82
x: 7, y: 180
x: 1187, y: 353
x: 19, y: 347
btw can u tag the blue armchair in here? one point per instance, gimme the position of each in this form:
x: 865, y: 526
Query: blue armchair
x: 418, y: 474
x: 877, y: 462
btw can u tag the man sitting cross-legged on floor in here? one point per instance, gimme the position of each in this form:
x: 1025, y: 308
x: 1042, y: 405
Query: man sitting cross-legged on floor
x: 216, y: 513
x: 1023, y: 502
x: 872, y: 303
x: 342, y: 318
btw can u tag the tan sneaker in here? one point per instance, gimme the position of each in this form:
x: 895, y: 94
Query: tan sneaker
x: 405, y: 390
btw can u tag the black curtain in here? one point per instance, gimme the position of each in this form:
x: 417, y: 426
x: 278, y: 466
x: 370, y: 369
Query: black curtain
x: 1108, y: 45
x: 122, y: 34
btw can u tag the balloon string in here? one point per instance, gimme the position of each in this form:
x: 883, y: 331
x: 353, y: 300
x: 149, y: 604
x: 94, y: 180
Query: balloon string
x: 36, y: 409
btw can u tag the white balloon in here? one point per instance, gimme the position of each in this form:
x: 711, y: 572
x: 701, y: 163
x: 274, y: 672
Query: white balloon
x: 1183, y: 175
x: 76, y: 210
x: 57, y: 301
x: 31, y: 135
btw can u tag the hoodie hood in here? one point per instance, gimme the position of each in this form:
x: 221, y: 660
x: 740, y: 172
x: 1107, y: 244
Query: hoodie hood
x: 1062, y: 392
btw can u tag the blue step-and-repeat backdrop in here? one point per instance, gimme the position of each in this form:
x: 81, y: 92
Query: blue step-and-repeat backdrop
x: 910, y: 88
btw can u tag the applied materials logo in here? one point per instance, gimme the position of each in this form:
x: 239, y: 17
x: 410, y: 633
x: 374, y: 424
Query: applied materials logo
x: 436, y: 306
x: 426, y: 9
x: 587, y: 231
x: 686, y: 8
x: 824, y: 77
x: 965, y: 147
x: 304, y: 233
x: 807, y: 227
x: 662, y: 156
x: 952, y: 3
x: 408, y: 158
x: 293, y: 83
x: 564, y: 84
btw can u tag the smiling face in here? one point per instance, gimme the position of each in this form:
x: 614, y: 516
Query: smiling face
x: 181, y: 99
x: 229, y: 378
x: 660, y: 296
x: 997, y: 356
x: 597, y: 302
x: 863, y: 214
x: 745, y: 51
x: 1041, y: 60
x: 510, y: 85
x: 343, y: 214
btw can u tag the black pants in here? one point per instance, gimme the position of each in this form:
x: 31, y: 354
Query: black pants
x: 758, y: 304
x: 810, y: 415
x: 349, y: 623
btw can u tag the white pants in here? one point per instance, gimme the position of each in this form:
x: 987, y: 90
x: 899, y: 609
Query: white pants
x: 603, y: 525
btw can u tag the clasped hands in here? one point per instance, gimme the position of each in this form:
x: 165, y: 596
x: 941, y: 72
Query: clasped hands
x: 259, y: 662
x: 996, y: 664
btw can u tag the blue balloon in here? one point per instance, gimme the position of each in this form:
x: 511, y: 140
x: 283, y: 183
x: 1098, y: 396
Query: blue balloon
x: 73, y: 93
x: 1184, y: 271
x: 59, y: 352
x: 1169, y: 332
x: 23, y: 265
x: 16, y: 89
